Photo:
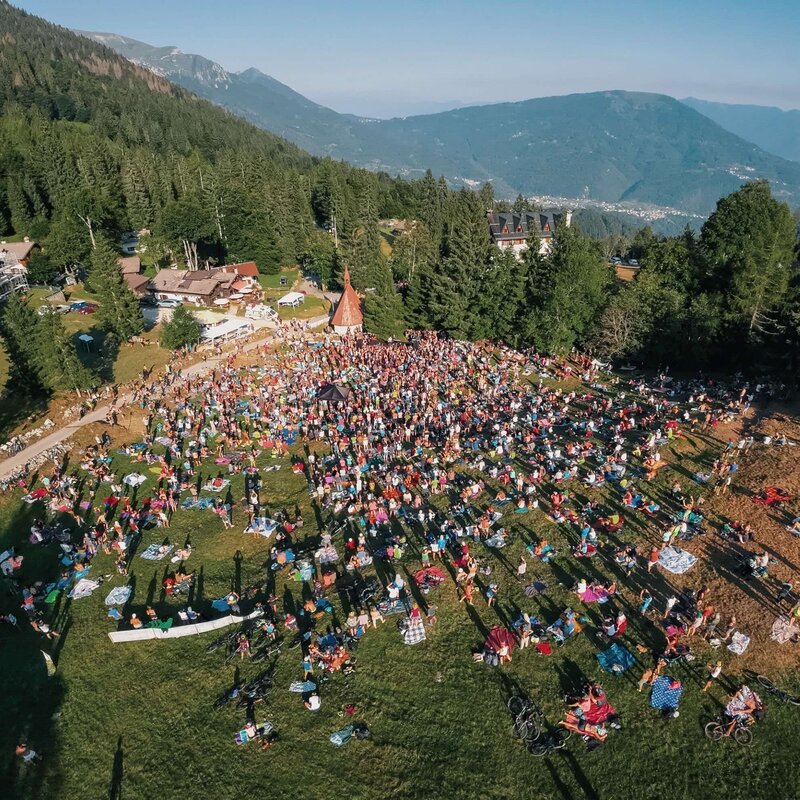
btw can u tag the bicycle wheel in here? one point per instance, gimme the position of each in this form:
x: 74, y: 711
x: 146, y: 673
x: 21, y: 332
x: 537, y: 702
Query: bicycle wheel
x: 743, y: 736
x: 793, y: 699
x: 534, y: 731
x: 765, y: 682
x: 714, y: 731
x: 539, y: 749
x: 516, y: 705
x: 562, y: 734
x: 521, y: 727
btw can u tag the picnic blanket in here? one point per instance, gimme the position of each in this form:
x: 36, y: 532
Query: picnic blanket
x: 499, y: 636
x: 342, y: 736
x: 599, y: 595
x: 200, y: 503
x: 134, y: 479
x: 154, y: 552
x: 301, y: 687
x: 83, y: 588
x: 663, y: 696
x: 739, y: 643
x: 432, y: 576
x: 118, y: 596
x: 496, y: 540
x: 210, y: 487
x: 327, y: 554
x: 413, y: 631
x: 241, y: 737
x: 783, y: 631
x: 263, y: 526
x: 675, y: 560
x: 616, y: 659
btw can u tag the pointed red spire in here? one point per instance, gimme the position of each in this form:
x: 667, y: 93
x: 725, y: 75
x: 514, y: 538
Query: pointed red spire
x: 348, y: 311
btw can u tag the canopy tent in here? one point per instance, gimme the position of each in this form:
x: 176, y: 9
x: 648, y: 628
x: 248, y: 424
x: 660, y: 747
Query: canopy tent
x: 333, y: 393
x: 292, y: 299
x: 231, y: 328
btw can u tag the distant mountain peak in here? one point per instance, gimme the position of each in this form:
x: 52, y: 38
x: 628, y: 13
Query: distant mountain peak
x: 610, y: 146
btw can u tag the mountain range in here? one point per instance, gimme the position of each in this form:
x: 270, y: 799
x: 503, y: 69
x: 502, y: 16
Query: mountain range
x: 613, y: 146
x: 773, y: 129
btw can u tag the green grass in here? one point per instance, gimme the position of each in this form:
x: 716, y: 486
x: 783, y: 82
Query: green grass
x: 142, y: 711
x: 274, y: 281
x: 312, y: 307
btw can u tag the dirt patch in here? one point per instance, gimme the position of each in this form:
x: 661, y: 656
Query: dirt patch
x: 753, y: 600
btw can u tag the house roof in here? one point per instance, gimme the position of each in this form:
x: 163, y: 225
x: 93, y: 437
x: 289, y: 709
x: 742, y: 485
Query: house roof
x: 246, y: 269
x: 348, y: 309
x: 130, y: 265
x: 20, y: 250
x: 202, y: 282
x: 515, y: 224
x: 136, y: 283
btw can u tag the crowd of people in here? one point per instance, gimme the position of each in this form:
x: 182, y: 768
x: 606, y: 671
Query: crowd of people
x: 433, y: 451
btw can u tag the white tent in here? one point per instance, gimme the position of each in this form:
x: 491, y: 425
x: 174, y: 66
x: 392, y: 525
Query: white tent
x: 231, y: 328
x: 292, y: 299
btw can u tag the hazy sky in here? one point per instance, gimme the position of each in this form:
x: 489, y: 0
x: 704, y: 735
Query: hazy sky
x: 414, y: 56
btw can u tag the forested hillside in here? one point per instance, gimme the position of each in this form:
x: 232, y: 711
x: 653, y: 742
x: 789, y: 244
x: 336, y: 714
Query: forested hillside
x: 87, y: 139
x: 91, y: 144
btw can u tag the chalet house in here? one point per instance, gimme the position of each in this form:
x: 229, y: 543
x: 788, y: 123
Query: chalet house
x: 18, y: 251
x: 130, y: 265
x: 13, y: 271
x: 247, y: 269
x: 200, y: 286
x: 138, y: 284
x: 515, y: 229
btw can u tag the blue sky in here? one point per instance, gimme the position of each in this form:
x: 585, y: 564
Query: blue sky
x: 413, y: 56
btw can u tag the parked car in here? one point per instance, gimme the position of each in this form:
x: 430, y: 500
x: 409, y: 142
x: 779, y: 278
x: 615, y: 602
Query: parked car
x: 147, y: 302
x: 87, y: 309
x: 78, y: 305
x: 168, y: 303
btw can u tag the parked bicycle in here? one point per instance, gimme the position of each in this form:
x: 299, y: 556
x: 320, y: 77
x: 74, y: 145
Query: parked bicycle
x: 782, y: 695
x: 718, y: 729
x: 527, y: 718
x: 549, y: 743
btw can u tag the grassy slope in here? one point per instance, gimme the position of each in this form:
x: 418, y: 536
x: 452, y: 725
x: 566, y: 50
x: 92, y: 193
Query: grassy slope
x: 439, y: 723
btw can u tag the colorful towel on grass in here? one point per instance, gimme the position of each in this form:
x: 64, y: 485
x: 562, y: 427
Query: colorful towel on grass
x: 739, y: 643
x: 783, y: 631
x: 599, y: 595
x: 413, y: 631
x: 663, y: 696
x: 155, y: 552
x: 199, y: 504
x: 616, y: 659
x: 342, y: 737
x: 263, y: 526
x: 118, y: 596
x: 676, y: 560
x: 134, y: 479
x: 83, y: 588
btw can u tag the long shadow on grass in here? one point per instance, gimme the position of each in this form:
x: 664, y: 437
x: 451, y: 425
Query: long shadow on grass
x: 117, y: 772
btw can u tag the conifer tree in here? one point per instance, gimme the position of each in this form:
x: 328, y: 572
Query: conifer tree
x: 57, y: 361
x: 17, y: 327
x: 119, y: 310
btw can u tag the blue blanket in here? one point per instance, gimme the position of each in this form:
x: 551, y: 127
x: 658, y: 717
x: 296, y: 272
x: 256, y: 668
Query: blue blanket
x: 662, y: 696
x: 616, y: 659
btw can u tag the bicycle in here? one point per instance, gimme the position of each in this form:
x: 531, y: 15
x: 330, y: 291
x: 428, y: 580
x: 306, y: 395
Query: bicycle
x: 783, y: 696
x: 266, y: 652
x: 550, y: 743
x: 527, y: 718
x: 717, y: 729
